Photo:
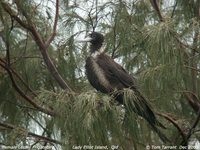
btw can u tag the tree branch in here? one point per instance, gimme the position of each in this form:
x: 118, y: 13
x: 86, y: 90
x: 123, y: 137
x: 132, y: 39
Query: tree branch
x: 183, y: 44
x: 14, y: 15
x: 42, y: 47
x: 7, y: 63
x: 197, y: 70
x: 47, y: 139
x: 174, y: 8
x: 193, y: 62
x: 54, y: 26
x: 192, y: 100
x: 7, y: 67
x: 170, y: 119
x: 115, y: 47
x: 27, y: 98
x: 190, y: 132
x: 156, y: 8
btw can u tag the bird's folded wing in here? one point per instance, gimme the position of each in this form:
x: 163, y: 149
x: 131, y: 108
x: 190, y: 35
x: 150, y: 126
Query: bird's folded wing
x: 116, y: 72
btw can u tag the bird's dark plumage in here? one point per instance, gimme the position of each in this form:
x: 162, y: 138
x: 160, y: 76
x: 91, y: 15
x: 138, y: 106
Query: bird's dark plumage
x: 106, y: 76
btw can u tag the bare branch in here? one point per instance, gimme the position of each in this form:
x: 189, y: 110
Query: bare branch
x: 47, y: 139
x: 7, y: 63
x: 198, y: 70
x: 192, y: 100
x: 155, y: 6
x: 6, y: 66
x: 27, y: 98
x: 20, y: 78
x: 170, y: 119
x: 42, y: 46
x: 114, y: 40
x: 174, y: 8
x: 183, y: 44
x: 193, y: 63
x: 14, y: 15
x: 190, y: 132
x: 90, y: 17
x: 54, y: 26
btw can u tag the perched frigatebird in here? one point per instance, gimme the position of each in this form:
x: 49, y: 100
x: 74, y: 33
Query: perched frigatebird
x: 107, y: 76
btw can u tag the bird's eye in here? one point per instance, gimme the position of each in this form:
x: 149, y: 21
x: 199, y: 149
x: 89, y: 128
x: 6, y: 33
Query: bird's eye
x: 93, y: 35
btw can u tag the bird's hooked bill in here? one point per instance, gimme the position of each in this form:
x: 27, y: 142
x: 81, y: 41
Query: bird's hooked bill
x: 87, y: 39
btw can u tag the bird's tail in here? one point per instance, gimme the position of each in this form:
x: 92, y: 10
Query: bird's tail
x: 160, y: 134
x: 135, y: 101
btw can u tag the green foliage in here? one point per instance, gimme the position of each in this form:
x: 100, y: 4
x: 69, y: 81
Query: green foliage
x: 162, y: 55
x: 91, y: 118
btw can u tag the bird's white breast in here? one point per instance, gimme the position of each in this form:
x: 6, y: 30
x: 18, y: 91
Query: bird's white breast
x: 97, y: 53
x: 99, y: 73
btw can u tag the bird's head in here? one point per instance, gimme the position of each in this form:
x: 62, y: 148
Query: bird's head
x: 96, y: 40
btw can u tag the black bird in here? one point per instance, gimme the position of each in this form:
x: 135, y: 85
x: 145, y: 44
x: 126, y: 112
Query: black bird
x: 106, y: 76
